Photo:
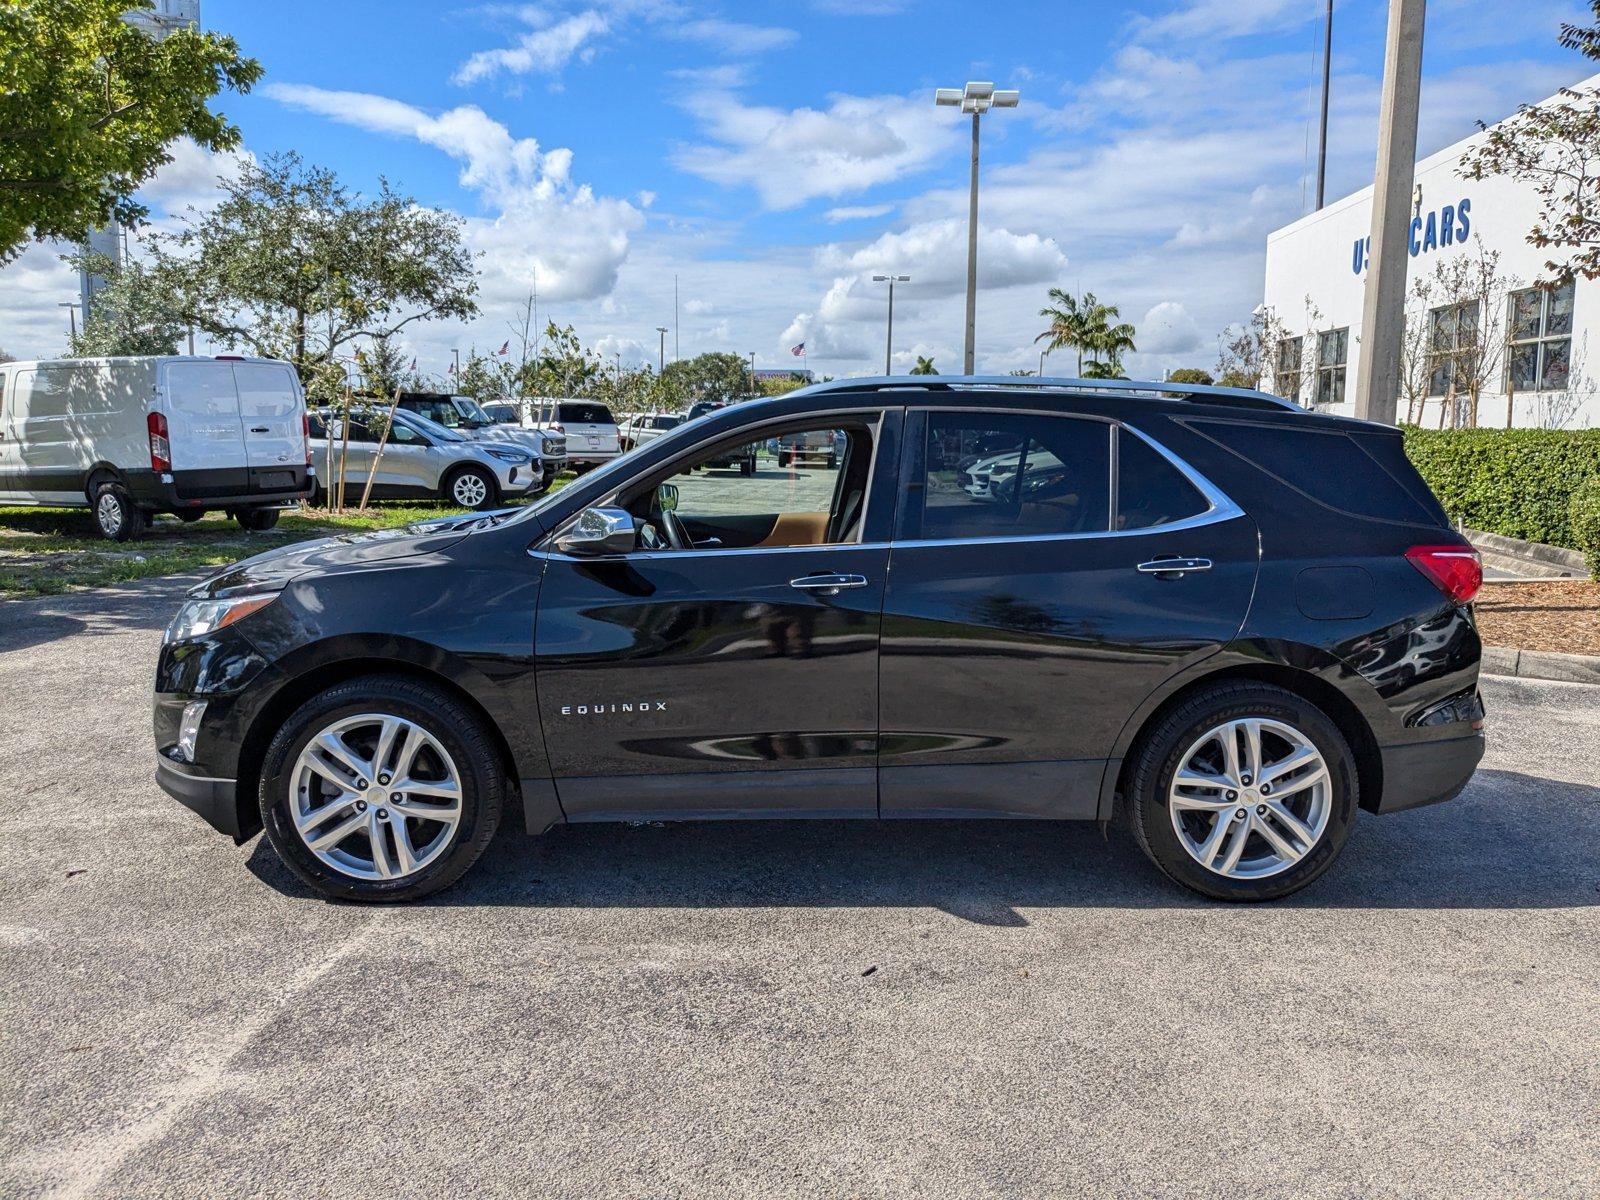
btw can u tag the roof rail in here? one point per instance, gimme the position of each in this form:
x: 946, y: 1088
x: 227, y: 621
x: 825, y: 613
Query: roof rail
x: 1193, y: 392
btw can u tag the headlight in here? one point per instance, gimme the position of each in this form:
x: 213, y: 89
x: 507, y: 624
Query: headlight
x: 512, y: 456
x: 200, y: 617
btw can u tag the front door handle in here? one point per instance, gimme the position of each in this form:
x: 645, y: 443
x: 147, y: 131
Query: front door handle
x: 1174, y: 566
x: 828, y: 583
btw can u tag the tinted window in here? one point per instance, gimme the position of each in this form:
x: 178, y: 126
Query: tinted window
x: 1150, y: 490
x: 999, y: 475
x: 1329, y: 467
x: 584, y: 414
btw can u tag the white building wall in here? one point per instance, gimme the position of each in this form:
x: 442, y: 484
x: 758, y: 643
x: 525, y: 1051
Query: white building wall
x: 1311, y: 268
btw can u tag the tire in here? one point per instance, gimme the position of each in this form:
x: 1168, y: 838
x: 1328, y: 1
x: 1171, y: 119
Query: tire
x: 116, y: 516
x: 1179, y: 738
x: 359, y: 705
x: 189, y: 515
x: 785, y: 461
x: 256, y: 520
x: 748, y: 466
x: 833, y: 461
x: 472, y: 488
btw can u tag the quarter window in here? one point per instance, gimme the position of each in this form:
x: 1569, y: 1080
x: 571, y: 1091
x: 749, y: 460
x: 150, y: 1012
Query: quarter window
x: 1006, y: 475
x: 1150, y: 490
x: 1452, y: 344
x: 1540, y: 351
x: 1333, y: 347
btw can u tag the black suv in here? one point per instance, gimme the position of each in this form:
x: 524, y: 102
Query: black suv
x: 1240, y: 621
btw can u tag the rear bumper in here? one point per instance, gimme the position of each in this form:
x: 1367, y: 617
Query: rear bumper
x: 1427, y: 772
x: 215, y: 800
x: 242, y: 488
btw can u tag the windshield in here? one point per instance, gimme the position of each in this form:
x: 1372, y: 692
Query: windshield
x: 433, y: 429
x: 471, y: 409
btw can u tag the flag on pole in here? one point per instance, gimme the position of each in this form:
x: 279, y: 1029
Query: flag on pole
x: 452, y: 369
x: 798, y: 351
x: 505, y: 347
x: 413, y: 364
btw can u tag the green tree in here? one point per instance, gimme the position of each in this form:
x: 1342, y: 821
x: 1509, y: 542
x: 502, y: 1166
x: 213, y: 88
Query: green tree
x: 924, y: 366
x: 1084, y: 325
x: 1190, y: 375
x: 292, y: 265
x: 716, y: 375
x: 89, y: 105
x: 134, y: 313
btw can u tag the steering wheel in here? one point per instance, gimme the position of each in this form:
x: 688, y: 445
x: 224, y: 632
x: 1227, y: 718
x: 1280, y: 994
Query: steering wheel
x: 677, y: 536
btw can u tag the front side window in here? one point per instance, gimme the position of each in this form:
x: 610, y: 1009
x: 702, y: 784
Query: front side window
x: 1452, y: 348
x: 1539, y: 356
x: 986, y: 475
x: 441, y: 412
x: 1333, y: 347
x: 738, y: 496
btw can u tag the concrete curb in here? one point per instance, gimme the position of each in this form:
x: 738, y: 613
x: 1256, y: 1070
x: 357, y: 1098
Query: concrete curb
x: 1541, y: 664
x: 1528, y: 559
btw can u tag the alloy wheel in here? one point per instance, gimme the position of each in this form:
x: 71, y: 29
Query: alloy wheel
x: 469, y: 490
x: 375, y: 796
x: 1250, y: 798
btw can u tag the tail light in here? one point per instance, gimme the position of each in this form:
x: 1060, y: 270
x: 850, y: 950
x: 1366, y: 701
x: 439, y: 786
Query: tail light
x: 305, y: 433
x: 1455, y: 570
x: 160, y: 447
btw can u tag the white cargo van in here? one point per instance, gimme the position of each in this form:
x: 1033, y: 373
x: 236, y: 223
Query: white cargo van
x: 128, y: 437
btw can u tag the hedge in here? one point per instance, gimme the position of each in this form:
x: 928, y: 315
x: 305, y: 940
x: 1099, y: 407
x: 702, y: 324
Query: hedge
x: 1586, y: 522
x: 1515, y: 482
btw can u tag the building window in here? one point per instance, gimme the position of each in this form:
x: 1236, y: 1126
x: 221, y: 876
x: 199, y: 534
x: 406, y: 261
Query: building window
x: 1332, y: 349
x: 1540, y: 351
x: 1286, y: 370
x: 1452, y: 343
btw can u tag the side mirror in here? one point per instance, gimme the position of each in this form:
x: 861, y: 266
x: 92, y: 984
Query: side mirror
x: 600, y: 531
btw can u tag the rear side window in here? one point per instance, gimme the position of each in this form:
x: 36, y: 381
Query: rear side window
x: 584, y: 414
x: 1150, y: 490
x: 1010, y: 475
x: 1329, y: 467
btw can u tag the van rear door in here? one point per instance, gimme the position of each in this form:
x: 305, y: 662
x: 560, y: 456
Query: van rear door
x: 270, y: 410
x: 201, y: 403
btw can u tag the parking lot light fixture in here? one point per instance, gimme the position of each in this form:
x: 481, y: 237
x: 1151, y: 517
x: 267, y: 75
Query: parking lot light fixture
x: 888, y: 344
x: 975, y: 99
x: 661, y: 354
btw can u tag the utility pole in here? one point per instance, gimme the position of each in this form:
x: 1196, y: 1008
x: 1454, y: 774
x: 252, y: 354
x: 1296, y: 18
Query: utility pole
x: 674, y: 318
x: 888, y: 341
x: 1322, y: 133
x: 661, y: 356
x: 977, y: 99
x: 1383, y: 307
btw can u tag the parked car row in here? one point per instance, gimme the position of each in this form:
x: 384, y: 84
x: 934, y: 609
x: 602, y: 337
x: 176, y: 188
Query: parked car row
x: 587, y: 427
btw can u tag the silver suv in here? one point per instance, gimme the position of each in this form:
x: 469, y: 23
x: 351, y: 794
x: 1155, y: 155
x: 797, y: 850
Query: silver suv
x: 420, y: 460
x: 467, y: 417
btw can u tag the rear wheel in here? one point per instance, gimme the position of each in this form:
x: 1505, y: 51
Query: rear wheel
x: 117, y: 517
x: 1243, y: 792
x: 189, y: 515
x: 256, y: 520
x: 381, y: 789
x: 470, y: 487
x: 748, y: 466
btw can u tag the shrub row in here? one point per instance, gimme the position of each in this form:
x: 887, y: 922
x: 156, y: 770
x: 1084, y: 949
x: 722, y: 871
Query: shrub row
x: 1586, y: 523
x: 1520, y: 483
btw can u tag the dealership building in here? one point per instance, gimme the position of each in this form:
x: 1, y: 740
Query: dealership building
x: 1537, y: 357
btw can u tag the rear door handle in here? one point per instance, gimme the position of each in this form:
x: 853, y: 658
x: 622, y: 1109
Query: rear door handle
x: 1174, y: 566
x: 258, y: 429
x: 828, y: 583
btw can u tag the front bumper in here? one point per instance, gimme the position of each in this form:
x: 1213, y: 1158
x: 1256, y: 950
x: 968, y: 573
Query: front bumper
x: 215, y: 800
x: 1427, y: 772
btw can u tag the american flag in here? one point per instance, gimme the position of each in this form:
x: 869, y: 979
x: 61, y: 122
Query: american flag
x: 452, y: 369
x: 798, y: 351
x: 505, y: 347
x: 413, y: 364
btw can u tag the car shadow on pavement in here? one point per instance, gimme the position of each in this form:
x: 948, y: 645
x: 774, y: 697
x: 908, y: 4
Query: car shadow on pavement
x: 145, y: 605
x: 1511, y: 841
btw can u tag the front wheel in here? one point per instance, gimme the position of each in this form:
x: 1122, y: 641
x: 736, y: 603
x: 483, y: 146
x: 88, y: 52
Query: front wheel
x: 471, y: 487
x: 381, y: 789
x: 1245, y: 791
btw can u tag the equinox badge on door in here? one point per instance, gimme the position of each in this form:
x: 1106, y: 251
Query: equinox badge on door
x: 602, y: 710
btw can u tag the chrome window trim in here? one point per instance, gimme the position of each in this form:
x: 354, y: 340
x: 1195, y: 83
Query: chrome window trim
x: 1220, y: 507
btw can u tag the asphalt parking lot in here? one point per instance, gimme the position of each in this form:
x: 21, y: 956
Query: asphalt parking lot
x: 784, y: 1008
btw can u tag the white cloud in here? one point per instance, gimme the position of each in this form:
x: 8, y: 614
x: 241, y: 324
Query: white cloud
x: 790, y: 156
x: 1216, y: 19
x: 547, y: 231
x: 732, y: 37
x: 1167, y: 328
x: 857, y: 212
x: 543, y: 51
x: 934, y: 254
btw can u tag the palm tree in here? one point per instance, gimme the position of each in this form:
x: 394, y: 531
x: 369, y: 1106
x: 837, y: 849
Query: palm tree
x: 1084, y: 324
x: 924, y: 366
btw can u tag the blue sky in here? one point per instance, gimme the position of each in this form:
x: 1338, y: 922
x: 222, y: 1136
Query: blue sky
x: 775, y: 156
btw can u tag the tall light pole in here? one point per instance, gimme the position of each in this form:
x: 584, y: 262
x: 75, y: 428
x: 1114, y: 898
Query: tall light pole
x: 888, y: 340
x: 661, y: 354
x: 1322, y: 130
x: 1383, y: 307
x: 72, y: 316
x: 456, y: 355
x: 977, y: 99
x: 1042, y: 353
x: 752, y: 372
